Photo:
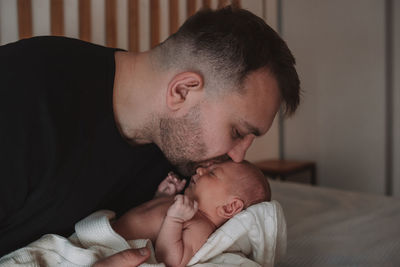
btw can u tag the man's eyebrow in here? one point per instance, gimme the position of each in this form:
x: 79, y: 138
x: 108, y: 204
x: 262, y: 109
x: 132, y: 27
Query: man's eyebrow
x: 252, y: 129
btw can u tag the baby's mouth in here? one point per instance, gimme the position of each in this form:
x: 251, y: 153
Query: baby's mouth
x: 193, y: 179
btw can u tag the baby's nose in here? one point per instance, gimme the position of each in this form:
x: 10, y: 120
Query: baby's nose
x: 200, y: 171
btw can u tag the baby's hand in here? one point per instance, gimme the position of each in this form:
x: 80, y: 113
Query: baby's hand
x: 170, y: 186
x: 183, y: 209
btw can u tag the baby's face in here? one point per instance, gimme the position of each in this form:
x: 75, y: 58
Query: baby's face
x: 210, y: 186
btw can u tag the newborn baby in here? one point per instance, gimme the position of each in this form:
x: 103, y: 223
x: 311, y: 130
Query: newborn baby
x: 179, y: 225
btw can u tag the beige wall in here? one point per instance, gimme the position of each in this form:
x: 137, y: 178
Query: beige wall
x: 340, y: 48
x: 396, y: 98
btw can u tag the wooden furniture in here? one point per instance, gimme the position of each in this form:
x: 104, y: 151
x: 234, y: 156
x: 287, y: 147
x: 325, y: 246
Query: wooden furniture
x: 282, y: 169
x: 84, y: 9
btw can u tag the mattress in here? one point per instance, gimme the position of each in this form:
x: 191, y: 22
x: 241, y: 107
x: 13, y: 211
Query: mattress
x: 328, y: 227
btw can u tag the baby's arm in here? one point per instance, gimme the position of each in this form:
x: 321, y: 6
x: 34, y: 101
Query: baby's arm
x: 170, y: 186
x: 175, y: 246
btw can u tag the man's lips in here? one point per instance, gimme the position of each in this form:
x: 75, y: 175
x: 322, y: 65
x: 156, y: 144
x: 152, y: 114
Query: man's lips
x: 208, y: 163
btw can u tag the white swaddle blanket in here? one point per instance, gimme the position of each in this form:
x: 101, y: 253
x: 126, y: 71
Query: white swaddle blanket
x: 254, y: 237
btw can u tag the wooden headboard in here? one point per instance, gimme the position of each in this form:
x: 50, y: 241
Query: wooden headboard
x: 24, y: 8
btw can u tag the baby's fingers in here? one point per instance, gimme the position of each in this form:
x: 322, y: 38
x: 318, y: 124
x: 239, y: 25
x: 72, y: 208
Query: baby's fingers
x: 173, y: 176
x: 171, y: 189
x: 179, y: 199
x: 169, y: 179
x: 180, y: 185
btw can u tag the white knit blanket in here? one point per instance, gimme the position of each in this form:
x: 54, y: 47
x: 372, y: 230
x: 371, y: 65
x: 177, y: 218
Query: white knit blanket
x: 254, y: 237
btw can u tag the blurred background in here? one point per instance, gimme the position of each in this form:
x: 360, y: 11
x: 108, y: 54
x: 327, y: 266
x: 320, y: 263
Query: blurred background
x: 348, y: 60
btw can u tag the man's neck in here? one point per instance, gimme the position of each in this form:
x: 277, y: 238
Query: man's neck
x: 135, y: 97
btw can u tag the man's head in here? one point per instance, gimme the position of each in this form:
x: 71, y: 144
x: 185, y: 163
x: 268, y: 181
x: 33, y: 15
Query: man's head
x: 223, y: 190
x: 231, y: 73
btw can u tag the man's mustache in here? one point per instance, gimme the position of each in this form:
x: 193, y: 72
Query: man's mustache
x: 209, y: 162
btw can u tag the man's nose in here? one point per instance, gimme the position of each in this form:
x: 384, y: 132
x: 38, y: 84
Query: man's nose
x: 238, y: 152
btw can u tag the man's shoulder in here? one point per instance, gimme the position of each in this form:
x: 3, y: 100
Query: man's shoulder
x: 54, y: 47
x: 54, y: 41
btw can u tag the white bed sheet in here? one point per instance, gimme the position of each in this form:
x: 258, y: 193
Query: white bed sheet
x: 328, y: 227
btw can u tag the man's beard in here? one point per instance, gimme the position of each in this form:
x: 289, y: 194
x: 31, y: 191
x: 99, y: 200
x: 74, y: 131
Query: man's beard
x: 182, y: 141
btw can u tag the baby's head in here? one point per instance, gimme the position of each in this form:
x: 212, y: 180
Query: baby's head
x: 223, y: 190
x: 248, y: 183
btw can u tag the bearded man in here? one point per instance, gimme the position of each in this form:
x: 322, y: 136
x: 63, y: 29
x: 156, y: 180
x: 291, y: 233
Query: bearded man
x: 85, y: 127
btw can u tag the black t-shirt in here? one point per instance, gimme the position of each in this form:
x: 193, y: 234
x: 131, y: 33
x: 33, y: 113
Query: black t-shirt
x: 61, y: 155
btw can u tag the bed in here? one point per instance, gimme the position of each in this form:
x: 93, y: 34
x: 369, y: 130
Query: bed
x: 328, y: 227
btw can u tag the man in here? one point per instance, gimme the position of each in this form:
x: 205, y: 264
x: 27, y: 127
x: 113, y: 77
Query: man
x: 69, y: 109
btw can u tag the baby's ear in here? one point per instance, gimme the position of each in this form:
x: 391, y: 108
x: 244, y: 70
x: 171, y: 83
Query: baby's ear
x: 230, y: 209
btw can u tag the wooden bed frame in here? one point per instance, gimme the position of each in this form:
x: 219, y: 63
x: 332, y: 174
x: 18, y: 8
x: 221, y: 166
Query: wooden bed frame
x: 84, y: 9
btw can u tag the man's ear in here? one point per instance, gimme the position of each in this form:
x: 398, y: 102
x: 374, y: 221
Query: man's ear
x: 181, y: 87
x: 230, y: 209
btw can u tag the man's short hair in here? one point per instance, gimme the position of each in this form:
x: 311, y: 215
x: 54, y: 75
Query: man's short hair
x: 227, y: 44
